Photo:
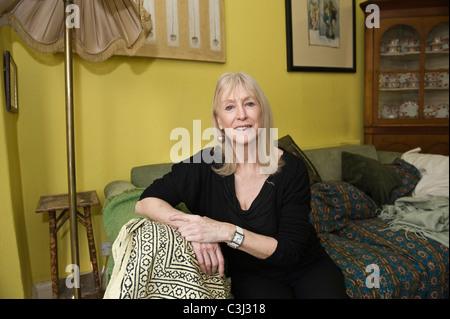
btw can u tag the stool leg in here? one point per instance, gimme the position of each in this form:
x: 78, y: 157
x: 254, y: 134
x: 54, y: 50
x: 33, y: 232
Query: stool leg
x: 92, y: 250
x: 54, y: 254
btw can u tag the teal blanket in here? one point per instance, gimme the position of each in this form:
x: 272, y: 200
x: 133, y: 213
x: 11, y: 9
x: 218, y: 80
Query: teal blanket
x: 426, y: 217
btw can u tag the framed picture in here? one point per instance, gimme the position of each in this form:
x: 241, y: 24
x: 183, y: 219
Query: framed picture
x: 10, y: 74
x: 320, y: 35
x: 186, y: 30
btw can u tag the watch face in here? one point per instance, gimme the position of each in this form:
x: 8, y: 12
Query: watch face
x: 239, y: 238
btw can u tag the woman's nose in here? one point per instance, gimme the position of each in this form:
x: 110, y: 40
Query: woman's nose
x: 241, y: 114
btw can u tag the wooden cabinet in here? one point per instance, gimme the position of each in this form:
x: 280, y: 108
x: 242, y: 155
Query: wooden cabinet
x: 407, y: 76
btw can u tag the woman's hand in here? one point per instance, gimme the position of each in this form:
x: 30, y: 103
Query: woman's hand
x: 210, y: 258
x: 204, y: 234
x: 203, y: 229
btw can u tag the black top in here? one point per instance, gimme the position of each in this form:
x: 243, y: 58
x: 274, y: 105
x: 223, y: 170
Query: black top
x: 280, y: 210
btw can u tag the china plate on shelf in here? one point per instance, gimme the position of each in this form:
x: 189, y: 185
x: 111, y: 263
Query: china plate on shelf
x: 389, y: 111
x: 439, y: 111
x: 409, y: 109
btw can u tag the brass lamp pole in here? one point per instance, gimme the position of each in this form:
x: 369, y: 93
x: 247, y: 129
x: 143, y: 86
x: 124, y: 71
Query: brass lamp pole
x: 68, y: 67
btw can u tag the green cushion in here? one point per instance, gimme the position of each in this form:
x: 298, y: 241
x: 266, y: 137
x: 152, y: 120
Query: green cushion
x: 372, y: 177
x: 328, y: 160
x: 143, y: 176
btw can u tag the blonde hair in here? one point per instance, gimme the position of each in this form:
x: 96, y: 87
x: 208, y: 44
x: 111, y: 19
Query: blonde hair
x: 225, y: 85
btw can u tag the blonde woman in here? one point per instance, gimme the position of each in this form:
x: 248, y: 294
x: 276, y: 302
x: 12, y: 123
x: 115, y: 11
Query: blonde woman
x: 250, y: 205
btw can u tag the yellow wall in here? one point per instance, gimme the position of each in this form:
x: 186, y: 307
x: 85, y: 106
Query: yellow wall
x: 14, y: 262
x: 10, y: 265
x: 125, y: 111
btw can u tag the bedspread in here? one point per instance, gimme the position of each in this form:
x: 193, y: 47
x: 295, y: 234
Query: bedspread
x: 412, y: 267
x: 377, y: 262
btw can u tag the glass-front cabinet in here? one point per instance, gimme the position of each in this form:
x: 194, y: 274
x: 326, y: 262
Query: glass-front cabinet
x: 408, y: 88
x: 407, y: 76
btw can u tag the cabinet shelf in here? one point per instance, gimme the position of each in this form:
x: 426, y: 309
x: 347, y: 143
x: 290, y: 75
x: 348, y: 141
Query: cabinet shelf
x: 427, y: 88
x: 398, y: 89
x: 399, y: 54
x: 441, y: 52
x: 432, y: 88
x: 406, y: 54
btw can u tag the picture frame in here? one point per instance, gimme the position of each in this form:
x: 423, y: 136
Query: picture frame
x: 320, y: 36
x: 185, y: 30
x: 10, y: 79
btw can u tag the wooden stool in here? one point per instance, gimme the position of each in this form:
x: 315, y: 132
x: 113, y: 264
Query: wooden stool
x: 54, y: 203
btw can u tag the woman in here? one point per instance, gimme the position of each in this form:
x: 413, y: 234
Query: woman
x: 252, y: 204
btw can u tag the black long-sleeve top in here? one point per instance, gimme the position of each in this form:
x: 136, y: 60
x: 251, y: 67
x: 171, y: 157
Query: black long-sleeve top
x: 280, y: 210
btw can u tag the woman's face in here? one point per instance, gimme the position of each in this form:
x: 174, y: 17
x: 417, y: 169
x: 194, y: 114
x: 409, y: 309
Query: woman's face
x: 239, y: 115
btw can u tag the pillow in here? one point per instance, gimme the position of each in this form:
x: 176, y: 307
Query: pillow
x: 288, y: 144
x: 409, y: 175
x: 372, y: 177
x: 335, y: 203
x: 434, y: 170
x: 427, y: 163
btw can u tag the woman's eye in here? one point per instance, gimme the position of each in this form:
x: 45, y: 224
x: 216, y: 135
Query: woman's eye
x: 228, y: 107
x: 250, y: 103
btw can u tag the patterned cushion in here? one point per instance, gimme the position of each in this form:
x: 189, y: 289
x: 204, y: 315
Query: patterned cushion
x: 334, y: 203
x: 409, y: 175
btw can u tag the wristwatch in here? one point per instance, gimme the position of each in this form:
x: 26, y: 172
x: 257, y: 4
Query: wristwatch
x: 237, y: 239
